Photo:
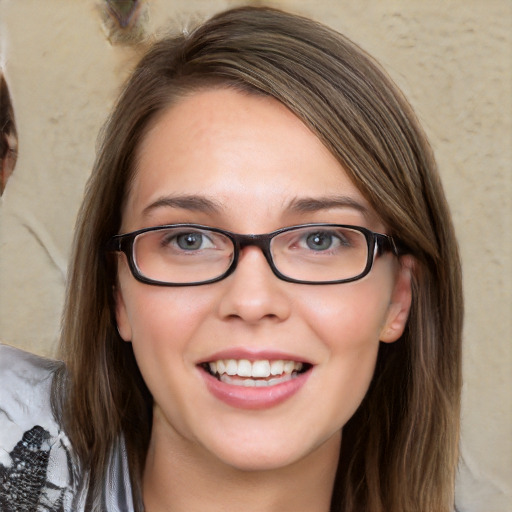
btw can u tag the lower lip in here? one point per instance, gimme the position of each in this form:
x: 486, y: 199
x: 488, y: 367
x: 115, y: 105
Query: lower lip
x: 254, y: 397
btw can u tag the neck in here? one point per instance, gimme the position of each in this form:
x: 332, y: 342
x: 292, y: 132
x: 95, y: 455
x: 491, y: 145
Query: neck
x: 180, y: 476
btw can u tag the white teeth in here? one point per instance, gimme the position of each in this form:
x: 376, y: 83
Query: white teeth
x: 221, y: 367
x: 276, y: 367
x: 244, y: 368
x: 235, y: 381
x: 231, y: 367
x: 260, y: 369
x: 288, y: 366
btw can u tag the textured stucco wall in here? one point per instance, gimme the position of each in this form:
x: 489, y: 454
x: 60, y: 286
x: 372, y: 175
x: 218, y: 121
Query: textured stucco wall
x: 452, y: 58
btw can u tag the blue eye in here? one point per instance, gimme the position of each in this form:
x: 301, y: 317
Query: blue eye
x: 189, y: 241
x: 319, y: 241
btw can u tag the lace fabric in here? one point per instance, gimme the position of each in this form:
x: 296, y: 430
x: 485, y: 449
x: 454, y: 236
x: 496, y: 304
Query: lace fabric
x: 38, y: 471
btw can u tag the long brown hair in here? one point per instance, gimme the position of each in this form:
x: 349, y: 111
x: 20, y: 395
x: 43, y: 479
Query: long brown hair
x: 399, y: 451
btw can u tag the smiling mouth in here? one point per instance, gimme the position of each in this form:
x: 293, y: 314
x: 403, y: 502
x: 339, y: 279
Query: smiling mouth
x: 261, y: 373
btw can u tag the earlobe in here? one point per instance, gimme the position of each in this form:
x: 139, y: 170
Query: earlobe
x: 123, y: 325
x: 400, y: 305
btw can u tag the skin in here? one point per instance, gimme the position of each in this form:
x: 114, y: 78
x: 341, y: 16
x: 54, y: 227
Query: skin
x: 253, y: 160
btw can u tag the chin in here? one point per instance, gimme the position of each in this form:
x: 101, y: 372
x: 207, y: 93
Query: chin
x: 247, y: 462
x: 271, y: 454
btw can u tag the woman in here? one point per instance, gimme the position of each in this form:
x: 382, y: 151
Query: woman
x: 264, y: 304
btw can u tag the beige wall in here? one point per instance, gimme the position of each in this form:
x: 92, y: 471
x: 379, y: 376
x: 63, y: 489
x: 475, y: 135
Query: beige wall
x: 452, y: 58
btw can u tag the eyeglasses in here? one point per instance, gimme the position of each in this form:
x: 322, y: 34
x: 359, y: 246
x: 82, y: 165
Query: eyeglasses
x: 191, y: 254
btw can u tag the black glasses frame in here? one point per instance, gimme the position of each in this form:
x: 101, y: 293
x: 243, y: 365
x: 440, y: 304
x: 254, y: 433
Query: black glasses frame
x: 377, y: 243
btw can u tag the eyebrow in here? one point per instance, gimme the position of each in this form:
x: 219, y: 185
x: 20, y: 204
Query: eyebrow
x: 310, y: 204
x: 298, y: 205
x: 187, y: 202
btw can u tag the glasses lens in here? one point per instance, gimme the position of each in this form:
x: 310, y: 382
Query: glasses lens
x: 320, y: 253
x: 182, y: 254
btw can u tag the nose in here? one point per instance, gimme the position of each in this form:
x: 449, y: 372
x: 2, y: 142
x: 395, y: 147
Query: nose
x: 253, y: 293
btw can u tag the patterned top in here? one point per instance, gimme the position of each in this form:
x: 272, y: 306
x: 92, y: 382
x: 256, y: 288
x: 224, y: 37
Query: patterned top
x: 38, y: 472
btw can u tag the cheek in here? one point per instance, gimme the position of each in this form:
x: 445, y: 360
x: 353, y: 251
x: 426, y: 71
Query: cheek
x: 164, y: 314
x: 164, y: 323
x: 348, y: 322
x: 351, y: 314
x: 161, y: 320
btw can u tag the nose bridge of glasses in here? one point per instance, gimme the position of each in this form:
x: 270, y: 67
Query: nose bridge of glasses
x: 260, y: 241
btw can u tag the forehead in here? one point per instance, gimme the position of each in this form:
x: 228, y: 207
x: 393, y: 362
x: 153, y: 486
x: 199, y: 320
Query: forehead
x: 243, y: 152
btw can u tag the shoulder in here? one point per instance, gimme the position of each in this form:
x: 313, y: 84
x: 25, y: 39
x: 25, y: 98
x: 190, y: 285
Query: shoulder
x: 25, y: 381
x: 33, y: 448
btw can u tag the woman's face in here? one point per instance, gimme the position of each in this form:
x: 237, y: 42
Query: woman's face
x: 246, y: 164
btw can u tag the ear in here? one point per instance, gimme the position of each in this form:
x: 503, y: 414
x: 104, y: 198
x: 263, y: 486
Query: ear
x: 123, y: 323
x: 400, y: 304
